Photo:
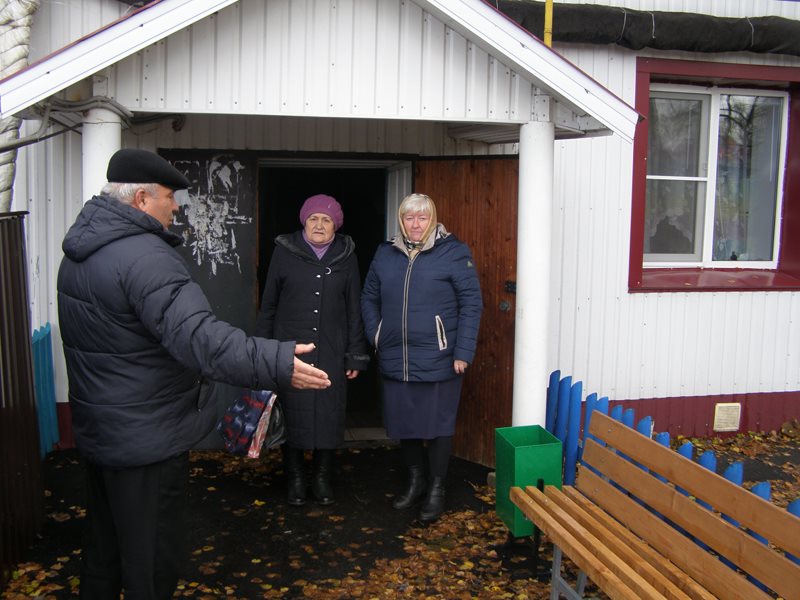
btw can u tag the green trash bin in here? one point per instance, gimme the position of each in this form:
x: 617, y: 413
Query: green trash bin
x: 524, y: 455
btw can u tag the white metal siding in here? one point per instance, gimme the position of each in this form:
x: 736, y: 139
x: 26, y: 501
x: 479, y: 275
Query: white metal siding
x: 621, y: 345
x: 58, y: 23
x: 384, y: 59
x: 48, y: 186
x: 647, y: 345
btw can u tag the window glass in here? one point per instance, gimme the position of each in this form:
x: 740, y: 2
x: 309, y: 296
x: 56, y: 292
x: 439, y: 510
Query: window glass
x: 674, y: 136
x: 747, y: 177
x: 713, y: 176
x: 673, y: 223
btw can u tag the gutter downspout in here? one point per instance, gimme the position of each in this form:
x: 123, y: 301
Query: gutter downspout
x: 16, y: 17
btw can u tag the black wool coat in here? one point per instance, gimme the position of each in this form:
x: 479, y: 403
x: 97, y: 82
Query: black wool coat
x: 316, y: 300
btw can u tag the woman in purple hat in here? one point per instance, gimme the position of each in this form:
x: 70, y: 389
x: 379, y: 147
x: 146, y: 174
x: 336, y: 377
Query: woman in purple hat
x: 312, y: 294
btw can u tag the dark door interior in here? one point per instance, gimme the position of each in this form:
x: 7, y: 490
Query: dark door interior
x: 362, y: 194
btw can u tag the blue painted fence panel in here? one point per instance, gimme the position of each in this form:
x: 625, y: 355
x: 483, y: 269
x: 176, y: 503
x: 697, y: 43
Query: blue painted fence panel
x: 573, y: 433
x: 563, y: 420
x: 45, y: 388
x: 552, y: 401
x: 562, y: 411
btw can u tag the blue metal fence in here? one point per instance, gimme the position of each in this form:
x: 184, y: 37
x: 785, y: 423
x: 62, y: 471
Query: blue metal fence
x: 563, y: 416
x: 45, y: 389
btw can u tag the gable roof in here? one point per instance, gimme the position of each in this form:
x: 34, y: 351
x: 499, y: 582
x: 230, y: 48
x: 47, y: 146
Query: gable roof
x: 476, y: 20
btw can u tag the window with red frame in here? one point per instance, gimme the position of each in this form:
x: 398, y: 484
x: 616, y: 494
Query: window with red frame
x: 714, y: 179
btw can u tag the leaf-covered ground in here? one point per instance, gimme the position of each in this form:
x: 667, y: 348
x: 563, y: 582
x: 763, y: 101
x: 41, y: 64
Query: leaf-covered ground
x: 246, y: 543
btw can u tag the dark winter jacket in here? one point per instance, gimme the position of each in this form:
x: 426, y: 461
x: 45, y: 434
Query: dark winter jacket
x: 140, y: 337
x: 316, y: 300
x: 422, y: 313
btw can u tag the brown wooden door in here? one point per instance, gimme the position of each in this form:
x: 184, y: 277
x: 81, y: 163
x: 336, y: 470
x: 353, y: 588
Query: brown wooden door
x: 476, y: 199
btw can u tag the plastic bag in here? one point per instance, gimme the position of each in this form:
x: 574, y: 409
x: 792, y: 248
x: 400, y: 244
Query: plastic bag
x: 253, y: 422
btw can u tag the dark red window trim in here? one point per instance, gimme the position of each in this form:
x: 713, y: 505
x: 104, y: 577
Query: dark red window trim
x: 787, y: 274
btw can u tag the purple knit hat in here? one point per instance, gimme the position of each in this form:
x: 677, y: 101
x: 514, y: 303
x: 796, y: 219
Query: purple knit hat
x: 324, y: 204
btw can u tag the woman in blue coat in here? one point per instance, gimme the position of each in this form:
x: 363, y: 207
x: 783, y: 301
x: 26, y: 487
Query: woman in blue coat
x: 421, y: 305
x: 312, y: 293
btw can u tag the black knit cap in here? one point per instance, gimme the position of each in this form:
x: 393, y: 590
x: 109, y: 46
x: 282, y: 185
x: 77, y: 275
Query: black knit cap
x: 142, y: 166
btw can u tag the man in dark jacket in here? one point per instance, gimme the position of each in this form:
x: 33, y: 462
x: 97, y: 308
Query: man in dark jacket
x: 140, y: 341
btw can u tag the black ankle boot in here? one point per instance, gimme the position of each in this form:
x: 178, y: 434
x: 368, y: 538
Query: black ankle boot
x: 434, y: 501
x: 415, y: 491
x: 321, y: 479
x: 294, y: 466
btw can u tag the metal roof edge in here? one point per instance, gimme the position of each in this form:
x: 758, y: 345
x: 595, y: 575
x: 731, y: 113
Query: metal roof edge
x: 480, y: 20
x: 476, y: 19
x: 99, y: 49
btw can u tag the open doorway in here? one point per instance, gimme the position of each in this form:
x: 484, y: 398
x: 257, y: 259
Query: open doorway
x: 282, y: 189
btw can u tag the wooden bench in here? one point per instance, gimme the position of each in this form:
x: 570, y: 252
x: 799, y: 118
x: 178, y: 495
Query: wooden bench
x: 638, y: 535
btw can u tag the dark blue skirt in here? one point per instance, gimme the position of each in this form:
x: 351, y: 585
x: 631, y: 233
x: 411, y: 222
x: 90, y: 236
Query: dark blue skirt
x: 421, y: 410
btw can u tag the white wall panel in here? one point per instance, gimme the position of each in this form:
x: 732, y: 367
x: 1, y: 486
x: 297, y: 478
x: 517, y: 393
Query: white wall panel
x: 660, y: 344
x: 355, y: 58
x: 60, y: 22
x: 247, y: 60
x: 48, y: 186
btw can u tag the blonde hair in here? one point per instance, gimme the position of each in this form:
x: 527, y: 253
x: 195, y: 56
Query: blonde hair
x: 417, y: 203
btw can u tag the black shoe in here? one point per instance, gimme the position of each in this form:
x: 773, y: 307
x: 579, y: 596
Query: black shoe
x: 434, y: 501
x: 415, y: 491
x: 321, y: 479
x: 294, y: 466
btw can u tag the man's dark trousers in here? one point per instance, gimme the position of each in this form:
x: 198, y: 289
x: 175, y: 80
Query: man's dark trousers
x: 135, y: 530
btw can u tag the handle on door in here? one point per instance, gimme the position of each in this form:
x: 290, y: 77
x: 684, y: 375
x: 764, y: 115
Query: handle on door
x: 504, y: 305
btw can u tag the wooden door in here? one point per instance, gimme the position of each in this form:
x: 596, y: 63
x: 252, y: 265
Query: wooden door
x: 476, y: 199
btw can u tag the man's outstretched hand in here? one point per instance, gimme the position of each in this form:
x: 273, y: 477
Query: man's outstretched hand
x: 306, y: 377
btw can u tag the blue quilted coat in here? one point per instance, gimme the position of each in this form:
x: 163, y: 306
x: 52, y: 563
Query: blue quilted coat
x: 422, y: 313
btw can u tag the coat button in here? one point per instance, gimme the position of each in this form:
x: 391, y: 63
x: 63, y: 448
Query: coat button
x: 316, y: 293
x: 313, y: 329
x: 315, y: 311
x: 318, y: 276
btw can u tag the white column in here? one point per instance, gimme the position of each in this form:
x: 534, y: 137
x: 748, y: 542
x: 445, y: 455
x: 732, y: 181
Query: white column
x: 535, y: 206
x: 102, y: 136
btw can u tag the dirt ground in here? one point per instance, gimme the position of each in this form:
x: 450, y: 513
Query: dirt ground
x: 245, y: 542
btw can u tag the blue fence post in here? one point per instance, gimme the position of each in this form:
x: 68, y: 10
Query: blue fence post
x: 616, y: 413
x: 663, y: 439
x: 763, y: 491
x: 44, y: 388
x: 591, y: 404
x: 708, y: 460
x: 735, y: 474
x: 573, y: 433
x: 562, y: 411
x: 628, y: 417
x: 687, y: 451
x: 794, y: 508
x: 552, y: 401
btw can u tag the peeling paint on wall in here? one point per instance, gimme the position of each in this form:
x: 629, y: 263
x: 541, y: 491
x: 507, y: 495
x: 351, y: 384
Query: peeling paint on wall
x: 210, y: 211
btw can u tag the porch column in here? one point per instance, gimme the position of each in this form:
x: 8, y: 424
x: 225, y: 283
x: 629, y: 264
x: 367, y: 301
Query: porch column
x: 536, y: 143
x: 102, y: 136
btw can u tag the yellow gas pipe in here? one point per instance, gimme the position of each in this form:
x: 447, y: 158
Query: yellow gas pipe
x: 548, y: 23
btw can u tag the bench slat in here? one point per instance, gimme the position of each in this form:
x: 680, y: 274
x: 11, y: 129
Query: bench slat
x: 755, y: 558
x: 704, y: 567
x: 653, y: 567
x: 540, y: 510
x: 780, y: 527
x: 670, y: 570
